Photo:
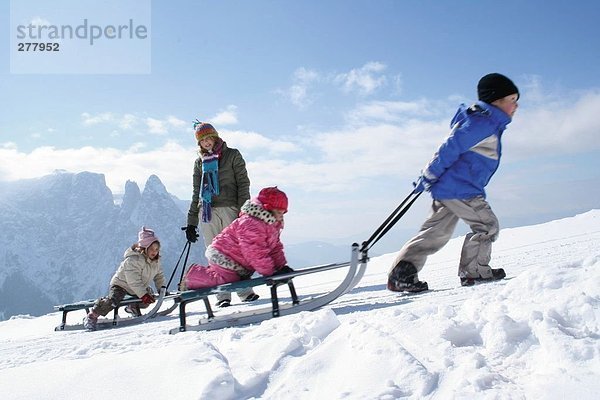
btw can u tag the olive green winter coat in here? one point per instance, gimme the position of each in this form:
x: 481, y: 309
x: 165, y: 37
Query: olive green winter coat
x: 234, y: 184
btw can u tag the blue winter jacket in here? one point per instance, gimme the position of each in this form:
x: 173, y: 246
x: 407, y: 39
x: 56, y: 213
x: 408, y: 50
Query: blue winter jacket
x: 465, y: 162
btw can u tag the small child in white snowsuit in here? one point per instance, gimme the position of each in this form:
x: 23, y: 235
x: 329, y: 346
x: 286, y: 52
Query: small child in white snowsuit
x: 140, y: 266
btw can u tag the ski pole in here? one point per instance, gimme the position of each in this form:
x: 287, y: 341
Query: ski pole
x: 187, y: 245
x: 184, y: 264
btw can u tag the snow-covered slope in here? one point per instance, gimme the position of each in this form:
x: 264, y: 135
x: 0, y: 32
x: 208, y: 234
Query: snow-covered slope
x: 535, y: 335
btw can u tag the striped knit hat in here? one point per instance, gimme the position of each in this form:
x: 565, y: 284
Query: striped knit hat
x: 204, y: 130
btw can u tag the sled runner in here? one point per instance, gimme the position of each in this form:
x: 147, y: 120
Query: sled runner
x: 210, y: 322
x: 116, y: 320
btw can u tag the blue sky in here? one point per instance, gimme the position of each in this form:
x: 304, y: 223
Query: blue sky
x: 340, y: 103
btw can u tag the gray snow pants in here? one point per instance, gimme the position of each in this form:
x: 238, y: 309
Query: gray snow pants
x: 438, y: 228
x: 221, y: 217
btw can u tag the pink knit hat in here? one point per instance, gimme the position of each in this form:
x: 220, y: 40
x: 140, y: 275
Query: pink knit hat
x: 146, y: 237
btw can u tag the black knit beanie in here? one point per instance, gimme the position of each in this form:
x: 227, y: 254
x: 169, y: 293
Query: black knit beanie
x: 495, y: 86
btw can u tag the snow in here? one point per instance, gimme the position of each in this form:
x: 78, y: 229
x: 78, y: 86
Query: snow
x: 534, y: 335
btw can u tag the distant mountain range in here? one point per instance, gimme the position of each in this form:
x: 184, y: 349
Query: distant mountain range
x: 62, y: 237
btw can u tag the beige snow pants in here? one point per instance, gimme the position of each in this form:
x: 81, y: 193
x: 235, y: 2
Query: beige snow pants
x: 438, y: 228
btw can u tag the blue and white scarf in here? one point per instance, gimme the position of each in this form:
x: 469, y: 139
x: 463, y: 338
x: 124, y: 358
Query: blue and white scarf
x: 209, y: 186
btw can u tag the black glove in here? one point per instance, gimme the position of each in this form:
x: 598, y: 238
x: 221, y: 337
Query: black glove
x: 191, y: 233
x: 284, y: 270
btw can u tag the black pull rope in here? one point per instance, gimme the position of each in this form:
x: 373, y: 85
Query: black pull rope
x: 187, y: 246
x: 390, y: 221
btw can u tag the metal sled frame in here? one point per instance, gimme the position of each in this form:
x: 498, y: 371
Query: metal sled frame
x: 105, y: 323
x: 354, y: 274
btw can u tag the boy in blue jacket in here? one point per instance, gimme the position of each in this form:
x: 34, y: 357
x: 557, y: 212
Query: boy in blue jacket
x: 456, y: 177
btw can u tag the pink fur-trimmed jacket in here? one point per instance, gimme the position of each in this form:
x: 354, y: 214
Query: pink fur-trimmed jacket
x: 250, y: 243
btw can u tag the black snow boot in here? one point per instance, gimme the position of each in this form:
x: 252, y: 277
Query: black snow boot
x: 251, y: 297
x: 133, y: 310
x: 404, y: 278
x: 224, y: 303
x: 497, y: 274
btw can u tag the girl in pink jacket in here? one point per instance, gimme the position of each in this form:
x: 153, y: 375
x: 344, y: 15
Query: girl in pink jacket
x: 250, y: 243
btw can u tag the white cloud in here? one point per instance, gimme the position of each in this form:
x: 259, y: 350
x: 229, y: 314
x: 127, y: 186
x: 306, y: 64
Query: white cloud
x: 9, y: 145
x: 89, y: 119
x: 156, y: 126
x: 298, y: 93
x: 164, y: 126
x: 127, y: 121
x: 176, y: 122
x: 254, y: 142
x: 135, y: 163
x: 136, y: 147
x: 397, y: 84
x: 555, y: 128
x: 392, y: 111
x: 130, y: 122
x: 225, y: 117
x: 364, y: 80
x: 306, y: 75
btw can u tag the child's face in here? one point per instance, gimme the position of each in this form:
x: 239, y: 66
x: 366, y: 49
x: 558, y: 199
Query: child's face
x: 207, y: 143
x: 153, y: 250
x: 278, y: 214
x: 508, y: 104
